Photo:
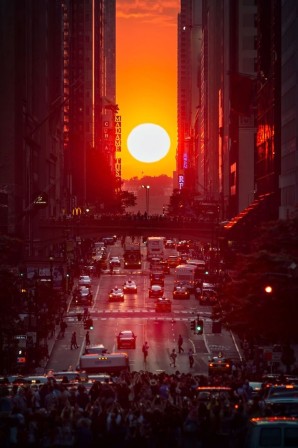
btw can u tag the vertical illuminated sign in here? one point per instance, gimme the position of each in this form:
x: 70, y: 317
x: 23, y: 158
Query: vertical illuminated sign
x: 118, y: 132
x: 181, y: 181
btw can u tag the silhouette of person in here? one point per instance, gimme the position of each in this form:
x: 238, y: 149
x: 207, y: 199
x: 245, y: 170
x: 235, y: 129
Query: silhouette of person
x: 73, y: 341
x: 173, y: 357
x: 87, y: 339
x: 180, y: 342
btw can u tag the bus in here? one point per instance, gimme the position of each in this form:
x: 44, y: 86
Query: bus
x: 155, y: 247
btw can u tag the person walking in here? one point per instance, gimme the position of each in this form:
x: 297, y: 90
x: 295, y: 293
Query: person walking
x: 173, y: 357
x: 191, y: 358
x: 145, y: 349
x: 87, y: 339
x: 73, y: 341
x: 180, y: 343
x: 63, y: 326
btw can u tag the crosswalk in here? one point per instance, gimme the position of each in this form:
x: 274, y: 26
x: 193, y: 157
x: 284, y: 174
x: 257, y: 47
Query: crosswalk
x: 96, y: 311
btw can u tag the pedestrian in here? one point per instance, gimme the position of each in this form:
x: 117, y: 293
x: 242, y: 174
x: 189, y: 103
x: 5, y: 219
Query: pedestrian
x: 173, y: 357
x: 191, y: 358
x: 87, y: 339
x: 145, y: 349
x: 180, y: 342
x: 63, y: 326
x: 86, y: 314
x: 73, y: 341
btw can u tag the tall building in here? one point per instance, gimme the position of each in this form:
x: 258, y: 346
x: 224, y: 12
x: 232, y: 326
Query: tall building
x: 31, y: 118
x: 288, y: 181
x: 57, y: 128
x: 89, y: 67
x: 189, y: 35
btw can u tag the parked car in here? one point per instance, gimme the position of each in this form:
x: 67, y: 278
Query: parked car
x: 116, y: 295
x: 126, y: 339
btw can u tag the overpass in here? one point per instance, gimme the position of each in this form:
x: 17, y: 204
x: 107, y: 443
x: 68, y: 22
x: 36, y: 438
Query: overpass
x: 154, y: 226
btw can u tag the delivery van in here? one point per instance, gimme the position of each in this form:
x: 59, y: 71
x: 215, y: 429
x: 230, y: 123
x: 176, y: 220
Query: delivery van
x: 105, y: 362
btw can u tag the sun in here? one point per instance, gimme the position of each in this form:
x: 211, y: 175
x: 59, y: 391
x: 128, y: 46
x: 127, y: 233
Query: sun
x: 148, y: 142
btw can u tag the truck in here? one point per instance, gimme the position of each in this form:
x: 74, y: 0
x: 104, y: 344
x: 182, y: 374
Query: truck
x: 104, y: 363
x: 132, y: 256
x: 185, y: 274
x: 155, y: 247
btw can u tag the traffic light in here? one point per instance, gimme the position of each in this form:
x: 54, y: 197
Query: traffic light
x: 88, y: 324
x: 21, y: 356
x: 193, y: 325
x: 199, y: 326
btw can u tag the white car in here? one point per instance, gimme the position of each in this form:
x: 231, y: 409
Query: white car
x: 126, y: 339
x: 115, y: 262
x: 130, y: 287
x: 85, y: 280
x: 116, y: 295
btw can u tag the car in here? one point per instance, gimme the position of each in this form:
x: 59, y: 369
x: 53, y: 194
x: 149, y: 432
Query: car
x: 130, y: 287
x: 84, y: 280
x: 183, y: 246
x: 116, y: 295
x: 155, y: 264
x: 206, y: 296
x: 165, y: 267
x: 181, y: 292
x: 271, y: 431
x: 115, y: 262
x: 272, y: 390
x: 156, y: 291
x: 109, y: 240
x: 126, y: 339
x: 82, y: 296
x: 170, y: 244
x: 163, y: 305
x: 95, y: 349
x: 173, y: 261
x: 157, y: 278
x: 286, y: 406
x: 219, y: 365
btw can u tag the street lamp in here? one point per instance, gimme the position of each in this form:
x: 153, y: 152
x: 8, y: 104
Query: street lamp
x: 51, y: 259
x: 147, y: 188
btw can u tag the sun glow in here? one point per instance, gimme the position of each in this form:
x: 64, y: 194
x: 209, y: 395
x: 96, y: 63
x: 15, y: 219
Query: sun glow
x: 148, y: 142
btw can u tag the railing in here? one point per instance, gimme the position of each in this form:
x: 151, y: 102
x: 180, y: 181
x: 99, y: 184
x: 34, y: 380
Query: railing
x: 134, y: 224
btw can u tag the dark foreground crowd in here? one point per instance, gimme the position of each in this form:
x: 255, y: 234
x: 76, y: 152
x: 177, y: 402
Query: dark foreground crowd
x: 136, y: 409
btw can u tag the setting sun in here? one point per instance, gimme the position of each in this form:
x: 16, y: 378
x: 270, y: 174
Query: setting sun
x: 148, y: 142
x: 147, y: 79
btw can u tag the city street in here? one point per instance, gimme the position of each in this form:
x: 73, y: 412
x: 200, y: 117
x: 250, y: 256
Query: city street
x: 137, y: 313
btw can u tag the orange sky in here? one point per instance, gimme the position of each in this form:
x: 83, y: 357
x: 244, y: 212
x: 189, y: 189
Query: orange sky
x: 146, y: 67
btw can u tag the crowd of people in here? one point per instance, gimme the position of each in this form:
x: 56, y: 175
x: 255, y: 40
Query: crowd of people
x: 133, y: 409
